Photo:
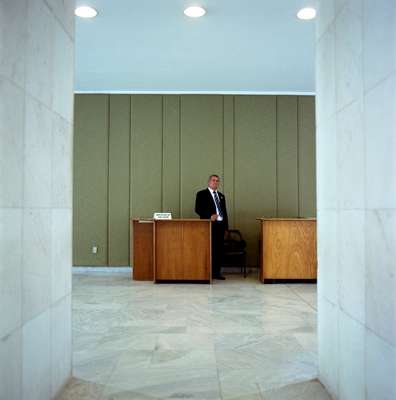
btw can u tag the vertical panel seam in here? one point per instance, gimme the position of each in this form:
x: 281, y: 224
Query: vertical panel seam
x: 180, y: 158
x: 315, y: 151
x: 276, y: 158
x: 233, y: 162
x: 223, y: 172
x: 162, y: 153
x: 129, y: 181
x: 131, y: 160
x: 298, y: 157
x: 108, y: 179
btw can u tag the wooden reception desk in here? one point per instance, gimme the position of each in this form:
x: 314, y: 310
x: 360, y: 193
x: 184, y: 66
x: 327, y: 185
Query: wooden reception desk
x: 172, y: 250
x: 288, y: 248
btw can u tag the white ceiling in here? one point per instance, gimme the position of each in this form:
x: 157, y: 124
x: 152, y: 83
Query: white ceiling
x: 238, y: 46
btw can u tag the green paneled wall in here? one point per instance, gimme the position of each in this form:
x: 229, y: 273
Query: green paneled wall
x: 201, y: 128
x: 228, y: 183
x: 90, y: 174
x: 171, y: 155
x: 119, y: 178
x: 306, y: 151
x: 255, y: 164
x: 287, y: 156
x: 136, y: 154
x: 146, y: 155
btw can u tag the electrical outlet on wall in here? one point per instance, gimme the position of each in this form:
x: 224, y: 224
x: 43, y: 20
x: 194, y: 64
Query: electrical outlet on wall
x: 94, y: 249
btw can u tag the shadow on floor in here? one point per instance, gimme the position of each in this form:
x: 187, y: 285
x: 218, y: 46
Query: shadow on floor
x: 78, y: 389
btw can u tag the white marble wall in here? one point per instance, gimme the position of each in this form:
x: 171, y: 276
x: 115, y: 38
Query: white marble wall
x: 36, y: 102
x: 356, y: 181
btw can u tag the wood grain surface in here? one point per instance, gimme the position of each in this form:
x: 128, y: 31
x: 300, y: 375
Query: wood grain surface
x: 288, y: 249
x: 142, y: 242
x: 182, y: 250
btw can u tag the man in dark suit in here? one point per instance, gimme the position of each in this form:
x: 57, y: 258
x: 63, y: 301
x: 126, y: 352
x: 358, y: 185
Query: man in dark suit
x: 210, y: 204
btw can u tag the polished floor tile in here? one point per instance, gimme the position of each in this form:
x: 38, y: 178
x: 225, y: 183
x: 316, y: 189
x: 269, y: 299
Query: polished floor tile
x: 233, y: 340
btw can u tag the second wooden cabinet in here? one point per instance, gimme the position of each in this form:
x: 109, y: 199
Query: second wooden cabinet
x: 172, y: 250
x: 288, y: 249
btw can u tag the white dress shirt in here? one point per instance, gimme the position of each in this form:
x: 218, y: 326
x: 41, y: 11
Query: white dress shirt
x: 217, y: 210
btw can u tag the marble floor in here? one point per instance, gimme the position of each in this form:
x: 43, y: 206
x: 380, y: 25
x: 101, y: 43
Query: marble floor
x: 236, y: 339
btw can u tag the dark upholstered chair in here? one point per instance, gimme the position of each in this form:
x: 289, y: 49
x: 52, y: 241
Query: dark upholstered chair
x: 235, y: 251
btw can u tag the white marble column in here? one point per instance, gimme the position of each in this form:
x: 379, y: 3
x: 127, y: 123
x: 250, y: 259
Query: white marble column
x: 36, y: 107
x: 356, y: 181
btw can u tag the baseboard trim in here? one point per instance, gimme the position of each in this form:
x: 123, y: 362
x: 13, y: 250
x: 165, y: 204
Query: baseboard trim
x: 81, y: 269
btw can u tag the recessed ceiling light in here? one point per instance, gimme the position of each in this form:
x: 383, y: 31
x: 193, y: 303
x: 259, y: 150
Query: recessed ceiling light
x: 85, y: 12
x: 194, y: 11
x: 307, y: 13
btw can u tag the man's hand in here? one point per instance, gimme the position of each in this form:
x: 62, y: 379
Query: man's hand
x: 226, y: 235
x: 213, y: 217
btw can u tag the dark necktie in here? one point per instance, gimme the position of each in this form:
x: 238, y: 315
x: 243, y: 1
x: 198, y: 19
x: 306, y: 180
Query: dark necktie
x: 217, y: 201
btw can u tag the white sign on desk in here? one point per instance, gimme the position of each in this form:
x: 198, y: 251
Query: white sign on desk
x: 161, y: 215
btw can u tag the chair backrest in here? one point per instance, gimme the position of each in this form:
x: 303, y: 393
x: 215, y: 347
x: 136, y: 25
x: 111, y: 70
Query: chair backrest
x: 234, y: 242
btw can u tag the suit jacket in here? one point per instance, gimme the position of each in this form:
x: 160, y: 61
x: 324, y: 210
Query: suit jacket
x: 205, y: 206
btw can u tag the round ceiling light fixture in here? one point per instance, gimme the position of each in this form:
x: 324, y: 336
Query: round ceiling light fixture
x: 194, y: 12
x: 306, y: 13
x: 85, y: 12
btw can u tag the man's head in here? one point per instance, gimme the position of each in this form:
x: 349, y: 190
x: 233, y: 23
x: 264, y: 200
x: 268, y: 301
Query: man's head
x: 213, y: 182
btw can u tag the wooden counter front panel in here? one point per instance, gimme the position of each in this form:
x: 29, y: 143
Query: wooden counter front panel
x: 197, y: 250
x: 143, y: 232
x: 168, y: 251
x: 182, y: 250
x: 288, y: 249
